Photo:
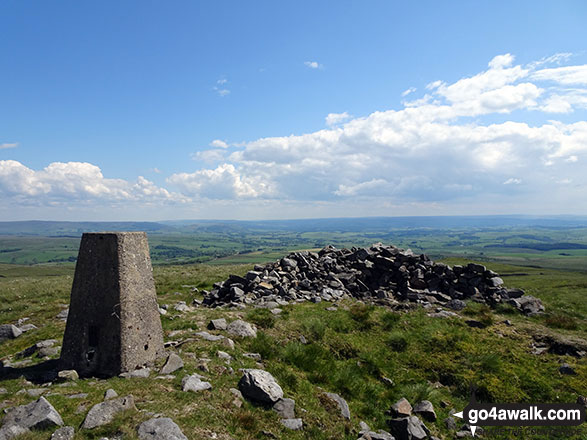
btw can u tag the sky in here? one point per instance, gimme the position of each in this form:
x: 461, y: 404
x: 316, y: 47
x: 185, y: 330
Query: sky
x: 155, y: 110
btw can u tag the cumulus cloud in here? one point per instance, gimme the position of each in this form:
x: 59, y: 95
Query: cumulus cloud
x: 217, y: 143
x: 337, y: 118
x: 8, y: 145
x: 408, y: 91
x: 74, y: 181
x: 461, y: 147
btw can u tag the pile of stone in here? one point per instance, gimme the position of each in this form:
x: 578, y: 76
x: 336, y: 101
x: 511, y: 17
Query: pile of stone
x: 379, y: 273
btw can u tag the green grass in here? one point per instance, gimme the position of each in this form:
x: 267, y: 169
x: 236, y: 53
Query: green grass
x: 347, y: 351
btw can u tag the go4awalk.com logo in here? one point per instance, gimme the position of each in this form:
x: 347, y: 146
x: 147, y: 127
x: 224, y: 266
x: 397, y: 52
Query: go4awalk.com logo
x: 517, y: 414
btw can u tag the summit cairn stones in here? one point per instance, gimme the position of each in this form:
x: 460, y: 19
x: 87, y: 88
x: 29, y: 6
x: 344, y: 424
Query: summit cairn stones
x: 113, y: 325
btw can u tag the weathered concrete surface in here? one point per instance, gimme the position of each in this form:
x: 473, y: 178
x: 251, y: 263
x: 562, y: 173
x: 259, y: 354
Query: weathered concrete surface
x: 113, y: 324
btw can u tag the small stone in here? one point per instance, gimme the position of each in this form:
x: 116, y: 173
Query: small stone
x: 567, y: 369
x: 217, y: 324
x: 103, y: 413
x: 68, y: 375
x: 65, y: 433
x: 78, y: 396
x: 409, y: 428
x: 293, y: 424
x: 208, y: 337
x: 255, y: 356
x: 285, y: 408
x: 228, y: 343
x: 238, y: 397
x: 173, y: 363
x: 36, y: 392
x: 341, y: 403
x: 162, y: 428
x: 224, y: 355
x: 110, y: 394
x: 9, y: 432
x: 140, y: 373
x: 63, y: 314
x: 195, y: 383
x: 241, y: 329
x: 27, y: 327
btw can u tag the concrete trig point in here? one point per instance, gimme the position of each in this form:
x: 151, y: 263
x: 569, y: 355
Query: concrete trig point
x: 113, y: 324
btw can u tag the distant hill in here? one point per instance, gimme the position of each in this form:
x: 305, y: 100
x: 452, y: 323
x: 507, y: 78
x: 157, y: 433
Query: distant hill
x: 75, y: 229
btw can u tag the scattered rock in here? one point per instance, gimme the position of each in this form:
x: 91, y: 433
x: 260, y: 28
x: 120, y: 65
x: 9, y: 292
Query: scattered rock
x: 341, y: 403
x: 208, y: 337
x: 408, y: 428
x: 103, y: 413
x: 217, y: 324
x: 255, y: 356
x: 27, y: 327
x: 379, y: 435
x: 224, y: 355
x: 173, y: 363
x: 65, y: 433
x: 241, y: 329
x: 9, y: 331
x: 228, y: 343
x: 162, y: 428
x: 63, y: 314
x: 68, y: 375
x: 39, y: 414
x: 195, y: 383
x: 401, y: 408
x: 285, y: 408
x: 9, y: 432
x: 238, y: 397
x: 260, y: 386
x: 181, y: 307
x: 78, y: 396
x: 110, y: 394
x: 293, y: 424
x: 140, y: 373
x: 528, y: 305
x: 426, y: 410
x: 567, y: 369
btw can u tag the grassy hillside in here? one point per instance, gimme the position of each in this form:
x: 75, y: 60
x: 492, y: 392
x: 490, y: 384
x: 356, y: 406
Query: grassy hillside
x: 349, y: 351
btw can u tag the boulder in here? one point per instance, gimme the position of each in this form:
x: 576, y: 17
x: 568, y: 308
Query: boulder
x: 110, y: 394
x: 241, y: 329
x: 103, y: 413
x: 340, y: 403
x: 9, y: 432
x: 39, y: 414
x: 161, y: 428
x: 260, y: 386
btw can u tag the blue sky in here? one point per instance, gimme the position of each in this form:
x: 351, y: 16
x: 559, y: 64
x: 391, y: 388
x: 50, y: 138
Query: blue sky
x: 152, y: 110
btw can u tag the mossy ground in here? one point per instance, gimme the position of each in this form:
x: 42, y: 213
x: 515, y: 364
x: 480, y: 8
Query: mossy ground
x: 348, y: 351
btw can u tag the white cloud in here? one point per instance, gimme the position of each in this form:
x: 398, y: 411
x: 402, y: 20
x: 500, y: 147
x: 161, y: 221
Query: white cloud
x: 312, y: 64
x: 222, y: 92
x: 217, y: 143
x: 215, y: 155
x: 512, y: 181
x: 65, y: 182
x: 337, y: 118
x: 222, y: 81
x: 224, y: 182
x: 572, y: 159
x: 568, y: 75
x: 8, y: 145
x: 408, y: 91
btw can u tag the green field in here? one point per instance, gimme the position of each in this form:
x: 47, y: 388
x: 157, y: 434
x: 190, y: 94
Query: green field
x: 348, y: 352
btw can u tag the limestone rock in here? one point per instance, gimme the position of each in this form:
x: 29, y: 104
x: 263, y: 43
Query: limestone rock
x: 110, y: 394
x: 408, y: 428
x: 195, y: 383
x: 426, y: 410
x: 103, y: 413
x: 174, y: 363
x: 68, y: 375
x: 217, y: 324
x: 39, y: 414
x: 401, y: 408
x: 293, y: 424
x: 260, y: 386
x: 241, y: 329
x: 285, y: 408
x: 9, y: 331
x: 161, y: 428
x: 65, y: 433
x: 9, y: 432
x: 341, y: 403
